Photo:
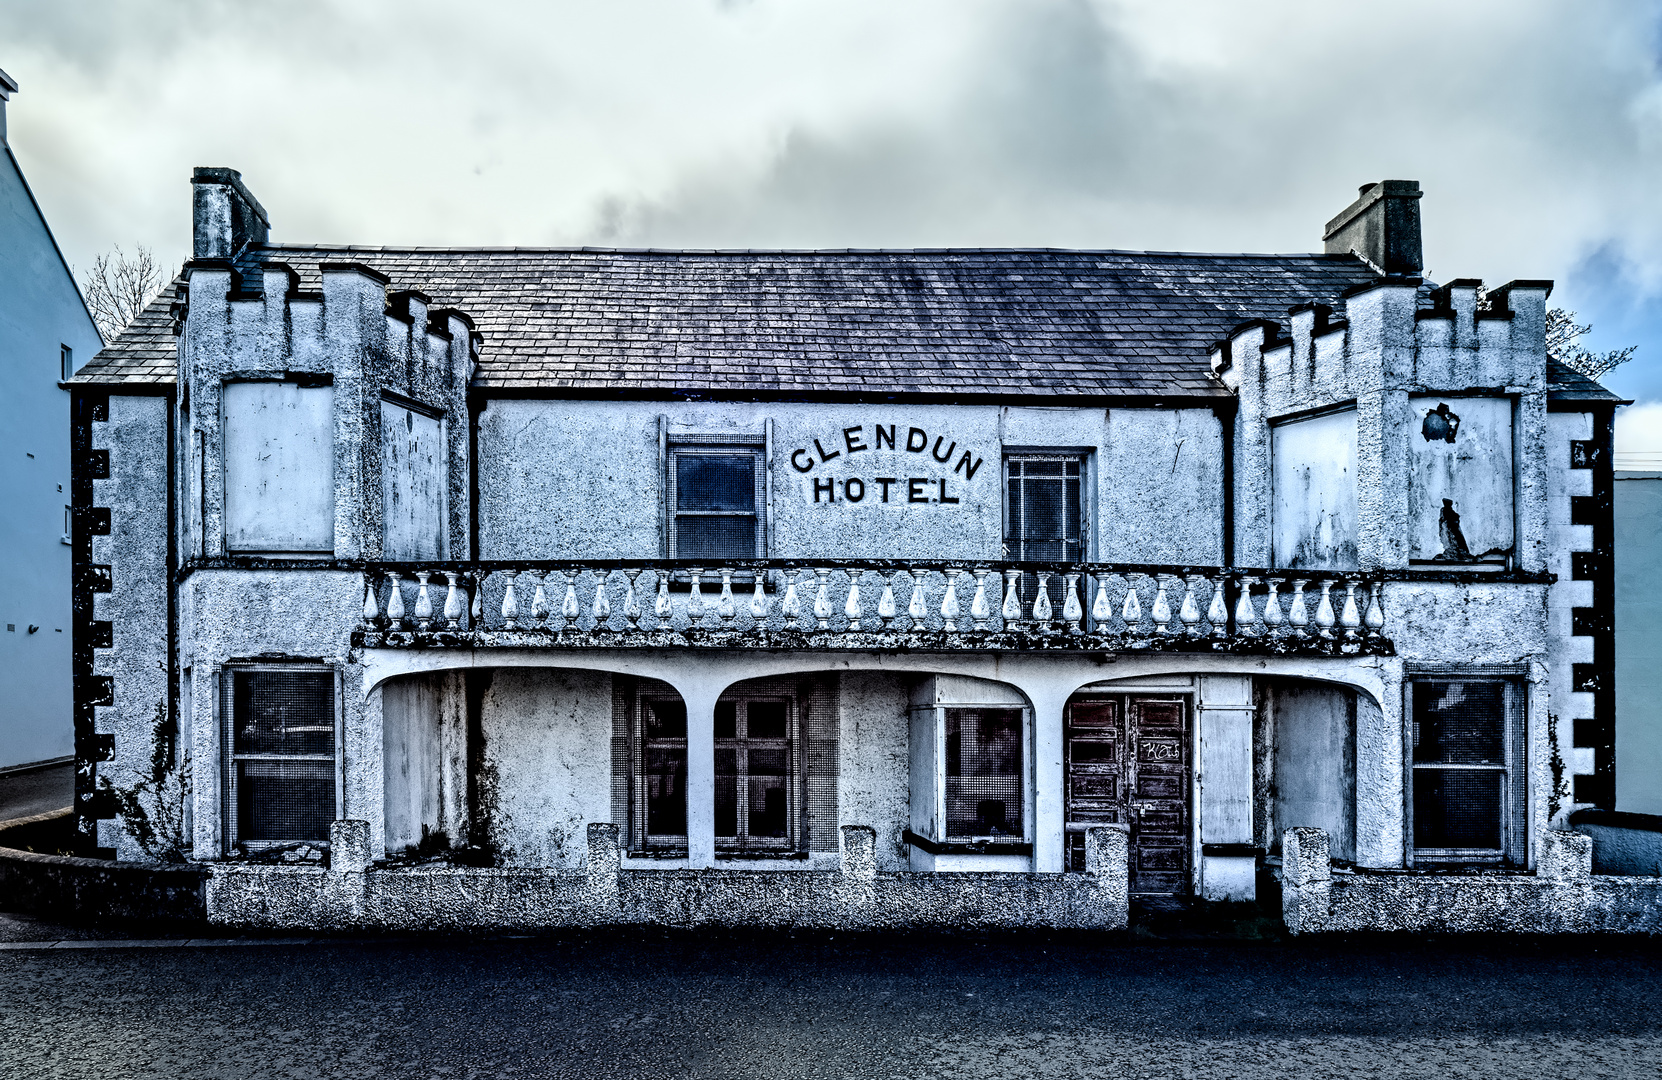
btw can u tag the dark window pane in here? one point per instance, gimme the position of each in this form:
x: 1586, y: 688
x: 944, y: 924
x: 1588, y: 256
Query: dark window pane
x: 1459, y: 723
x: 1457, y: 808
x: 665, y: 772
x: 283, y: 712
x: 285, y: 800
x: 715, y: 537
x: 767, y: 805
x: 715, y: 482
x: 727, y: 792
x: 983, y: 772
x: 767, y: 761
x: 666, y: 720
x: 727, y: 713
x: 766, y: 719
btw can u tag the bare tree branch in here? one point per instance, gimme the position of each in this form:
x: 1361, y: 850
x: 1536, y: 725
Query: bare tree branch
x: 117, y: 288
x: 1564, y: 345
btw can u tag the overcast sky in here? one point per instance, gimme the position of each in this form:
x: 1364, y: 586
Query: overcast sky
x: 1214, y: 125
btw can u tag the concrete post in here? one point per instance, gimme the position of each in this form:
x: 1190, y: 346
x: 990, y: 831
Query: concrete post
x: 1565, y: 856
x: 349, y: 851
x: 1048, y: 806
x: 1306, y: 878
x: 701, y: 775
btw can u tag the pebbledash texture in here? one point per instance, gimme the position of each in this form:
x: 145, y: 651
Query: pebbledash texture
x: 441, y: 588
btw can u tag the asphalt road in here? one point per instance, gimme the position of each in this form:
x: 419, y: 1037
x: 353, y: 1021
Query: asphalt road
x: 25, y: 792
x: 657, y: 1005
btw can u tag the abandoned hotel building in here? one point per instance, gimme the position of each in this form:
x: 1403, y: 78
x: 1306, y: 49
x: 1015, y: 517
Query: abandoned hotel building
x: 530, y: 587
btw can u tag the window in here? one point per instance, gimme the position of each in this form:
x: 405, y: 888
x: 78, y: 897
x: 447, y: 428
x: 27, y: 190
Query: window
x: 1468, y: 783
x: 661, y: 793
x: 414, y: 479
x: 983, y: 773
x: 715, y: 501
x: 279, y: 467
x: 1044, y: 519
x: 281, y: 726
x: 756, y: 791
x: 66, y: 362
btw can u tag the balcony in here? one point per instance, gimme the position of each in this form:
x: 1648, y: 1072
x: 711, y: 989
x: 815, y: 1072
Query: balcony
x: 872, y: 605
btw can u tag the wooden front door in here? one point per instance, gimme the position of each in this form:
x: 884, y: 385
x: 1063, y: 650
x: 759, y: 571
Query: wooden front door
x: 1128, y: 763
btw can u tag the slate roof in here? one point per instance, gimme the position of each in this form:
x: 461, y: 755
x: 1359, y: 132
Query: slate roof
x: 954, y: 322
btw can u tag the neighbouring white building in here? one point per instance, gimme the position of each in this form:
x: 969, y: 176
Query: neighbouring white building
x: 542, y: 586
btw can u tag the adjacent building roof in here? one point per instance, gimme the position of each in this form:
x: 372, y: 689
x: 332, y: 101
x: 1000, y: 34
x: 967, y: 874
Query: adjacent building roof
x: 956, y: 322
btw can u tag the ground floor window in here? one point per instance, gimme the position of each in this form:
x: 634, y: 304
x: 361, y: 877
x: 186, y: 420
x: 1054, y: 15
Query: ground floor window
x: 757, y: 793
x: 283, y: 764
x: 1467, y: 750
x: 661, y: 781
x: 983, y: 759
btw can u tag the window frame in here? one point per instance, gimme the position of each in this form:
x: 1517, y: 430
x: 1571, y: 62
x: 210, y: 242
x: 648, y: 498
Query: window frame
x: 1079, y: 457
x: 642, y: 843
x: 753, y: 447
x: 66, y: 362
x: 229, y: 757
x: 795, y: 838
x: 300, y: 381
x: 942, y: 832
x: 1514, y: 824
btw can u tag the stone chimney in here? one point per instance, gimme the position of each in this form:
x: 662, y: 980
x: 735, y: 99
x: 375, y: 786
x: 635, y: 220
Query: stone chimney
x: 1382, y: 226
x: 226, y: 217
x: 8, y: 87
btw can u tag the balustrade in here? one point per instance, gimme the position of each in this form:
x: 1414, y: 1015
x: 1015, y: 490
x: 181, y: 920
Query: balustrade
x: 1005, y: 605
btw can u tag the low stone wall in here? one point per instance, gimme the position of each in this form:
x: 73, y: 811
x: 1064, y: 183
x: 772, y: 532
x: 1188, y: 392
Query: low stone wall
x: 1563, y: 896
x: 91, y: 891
x: 352, y: 894
x: 1623, y: 843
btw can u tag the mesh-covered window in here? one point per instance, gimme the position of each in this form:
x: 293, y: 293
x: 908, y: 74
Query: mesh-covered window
x: 756, y: 792
x: 1467, y: 759
x: 282, y: 730
x: 1043, y: 519
x: 716, y: 503
x: 663, y: 773
x: 983, y: 773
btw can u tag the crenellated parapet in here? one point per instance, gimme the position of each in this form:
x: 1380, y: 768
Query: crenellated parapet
x: 329, y: 421
x: 1414, y: 418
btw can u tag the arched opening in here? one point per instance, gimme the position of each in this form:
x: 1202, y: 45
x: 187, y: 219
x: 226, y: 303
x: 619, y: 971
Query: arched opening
x: 1305, y: 761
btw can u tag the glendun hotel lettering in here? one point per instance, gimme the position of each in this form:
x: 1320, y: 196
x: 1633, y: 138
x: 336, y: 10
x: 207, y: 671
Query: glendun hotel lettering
x: 509, y: 586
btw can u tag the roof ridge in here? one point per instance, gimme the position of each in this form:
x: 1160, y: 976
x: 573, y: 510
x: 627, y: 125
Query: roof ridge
x: 594, y: 250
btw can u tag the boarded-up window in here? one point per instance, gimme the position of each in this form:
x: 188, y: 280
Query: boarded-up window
x: 279, y: 467
x: 1468, y: 756
x: 1460, y: 480
x: 281, y: 723
x: 413, y: 483
x: 1313, y: 511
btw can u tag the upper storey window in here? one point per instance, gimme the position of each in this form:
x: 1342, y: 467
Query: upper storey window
x: 715, y: 500
x: 1460, y: 506
x: 413, y: 482
x: 1044, y: 516
x: 279, y: 467
x: 1313, y: 511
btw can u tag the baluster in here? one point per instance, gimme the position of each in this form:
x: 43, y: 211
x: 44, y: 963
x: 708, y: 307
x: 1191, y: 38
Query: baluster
x: 979, y: 611
x: 1188, y: 611
x: 917, y: 610
x: 759, y: 599
x: 791, y: 606
x: 453, y: 606
x: 601, y: 609
x: 510, y: 602
x: 1376, y: 613
x: 1161, y: 611
x: 1272, y: 608
x: 476, y: 606
x: 1073, y: 612
x: 1042, y: 611
x: 724, y: 607
x: 661, y: 609
x: 822, y: 602
x: 395, y: 603
x: 851, y: 606
x: 539, y: 603
x: 569, y: 609
x: 949, y: 602
x: 1101, y: 610
x: 886, y: 604
x: 1132, y: 611
x: 1324, y: 611
x: 695, y: 600
x: 632, y: 601
x: 372, y: 605
x: 1011, y: 611
x: 1246, y: 616
x: 1350, y: 617
x: 424, y: 602
x: 1217, y: 612
x: 1299, y: 617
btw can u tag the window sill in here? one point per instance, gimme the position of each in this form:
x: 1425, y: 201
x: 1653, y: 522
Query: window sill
x: 967, y: 847
x: 758, y: 856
